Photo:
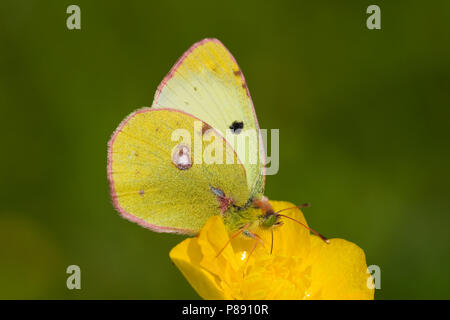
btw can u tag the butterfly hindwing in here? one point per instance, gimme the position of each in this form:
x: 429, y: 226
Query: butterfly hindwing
x: 154, y: 184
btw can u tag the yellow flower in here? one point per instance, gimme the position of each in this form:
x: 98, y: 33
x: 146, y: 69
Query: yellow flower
x: 301, y: 265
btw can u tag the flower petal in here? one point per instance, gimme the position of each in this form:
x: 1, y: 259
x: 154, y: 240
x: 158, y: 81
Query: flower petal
x: 213, y: 239
x: 187, y: 256
x: 300, y: 266
x: 339, y: 271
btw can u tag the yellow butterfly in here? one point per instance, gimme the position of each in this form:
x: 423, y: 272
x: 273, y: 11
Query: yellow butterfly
x: 168, y: 185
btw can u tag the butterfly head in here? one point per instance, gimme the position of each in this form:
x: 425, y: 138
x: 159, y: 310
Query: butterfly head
x: 271, y: 219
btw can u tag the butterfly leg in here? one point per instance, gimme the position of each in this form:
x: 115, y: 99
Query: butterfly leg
x: 224, y: 201
x: 257, y: 240
x: 232, y: 237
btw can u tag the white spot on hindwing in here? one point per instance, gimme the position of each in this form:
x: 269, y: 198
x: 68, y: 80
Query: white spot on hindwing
x: 181, y: 157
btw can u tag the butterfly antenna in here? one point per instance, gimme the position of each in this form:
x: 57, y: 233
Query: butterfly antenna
x: 313, y: 231
x: 305, y: 205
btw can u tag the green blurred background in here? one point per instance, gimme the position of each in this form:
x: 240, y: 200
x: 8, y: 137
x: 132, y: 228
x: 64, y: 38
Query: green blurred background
x: 363, y: 117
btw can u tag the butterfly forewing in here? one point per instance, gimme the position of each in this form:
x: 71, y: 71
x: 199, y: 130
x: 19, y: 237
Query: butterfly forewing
x: 207, y: 83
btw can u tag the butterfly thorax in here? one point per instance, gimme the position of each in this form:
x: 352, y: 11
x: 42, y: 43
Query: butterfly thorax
x: 260, y: 214
x: 238, y: 218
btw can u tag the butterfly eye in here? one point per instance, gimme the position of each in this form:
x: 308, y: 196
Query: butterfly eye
x: 181, y: 157
x: 236, y: 127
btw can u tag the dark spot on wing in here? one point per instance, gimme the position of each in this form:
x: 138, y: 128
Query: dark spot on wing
x: 195, y: 89
x: 237, y: 72
x: 237, y: 126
